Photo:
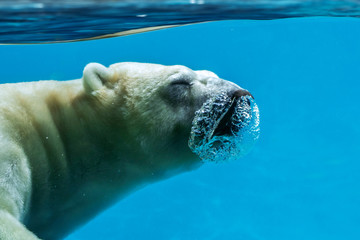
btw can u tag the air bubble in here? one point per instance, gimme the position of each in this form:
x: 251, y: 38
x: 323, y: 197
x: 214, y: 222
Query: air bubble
x: 245, y: 129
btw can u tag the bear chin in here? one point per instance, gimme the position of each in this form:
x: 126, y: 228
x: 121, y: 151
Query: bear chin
x: 225, y: 128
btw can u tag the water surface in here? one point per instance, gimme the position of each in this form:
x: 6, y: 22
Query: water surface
x: 40, y: 21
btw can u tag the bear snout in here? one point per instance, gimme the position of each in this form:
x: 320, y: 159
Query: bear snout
x: 241, y: 93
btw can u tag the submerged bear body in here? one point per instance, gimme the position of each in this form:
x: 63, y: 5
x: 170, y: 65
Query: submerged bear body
x: 70, y: 149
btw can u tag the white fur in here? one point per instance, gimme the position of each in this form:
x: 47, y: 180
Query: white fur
x: 70, y: 149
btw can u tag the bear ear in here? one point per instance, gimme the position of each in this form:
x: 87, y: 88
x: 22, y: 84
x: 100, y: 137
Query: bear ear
x: 96, y: 77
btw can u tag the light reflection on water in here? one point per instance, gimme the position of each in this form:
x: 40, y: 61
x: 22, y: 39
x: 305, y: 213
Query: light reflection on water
x: 24, y: 21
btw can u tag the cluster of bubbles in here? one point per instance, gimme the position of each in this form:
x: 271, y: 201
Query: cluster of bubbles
x: 244, y: 124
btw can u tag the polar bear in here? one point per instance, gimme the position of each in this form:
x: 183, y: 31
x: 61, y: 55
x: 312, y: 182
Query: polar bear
x: 69, y: 149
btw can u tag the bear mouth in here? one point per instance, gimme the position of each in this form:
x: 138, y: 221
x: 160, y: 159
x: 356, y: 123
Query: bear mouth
x: 223, y: 126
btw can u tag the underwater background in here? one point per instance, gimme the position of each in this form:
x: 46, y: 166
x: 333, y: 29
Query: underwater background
x: 301, y: 181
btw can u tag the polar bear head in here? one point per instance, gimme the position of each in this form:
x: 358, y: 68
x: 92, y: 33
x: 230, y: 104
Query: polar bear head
x: 155, y: 105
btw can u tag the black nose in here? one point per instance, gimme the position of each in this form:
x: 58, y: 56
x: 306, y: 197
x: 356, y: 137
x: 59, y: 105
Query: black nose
x: 242, y: 92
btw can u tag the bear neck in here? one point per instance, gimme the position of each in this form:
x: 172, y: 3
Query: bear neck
x: 90, y: 160
x: 95, y: 142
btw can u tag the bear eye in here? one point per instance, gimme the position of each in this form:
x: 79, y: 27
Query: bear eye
x: 181, y: 81
x: 177, y: 92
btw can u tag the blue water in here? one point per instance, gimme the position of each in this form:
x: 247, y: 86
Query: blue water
x: 301, y: 181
